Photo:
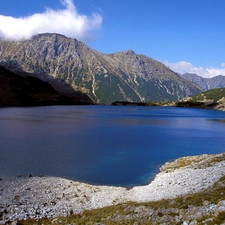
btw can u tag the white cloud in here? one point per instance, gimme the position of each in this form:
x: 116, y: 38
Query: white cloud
x: 65, y: 21
x: 186, y: 67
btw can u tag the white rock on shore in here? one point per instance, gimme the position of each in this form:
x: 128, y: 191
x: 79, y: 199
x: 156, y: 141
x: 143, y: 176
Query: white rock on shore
x: 38, y: 197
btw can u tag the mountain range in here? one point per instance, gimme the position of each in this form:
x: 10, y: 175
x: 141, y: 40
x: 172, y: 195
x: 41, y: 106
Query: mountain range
x: 69, y: 65
x: 206, y: 83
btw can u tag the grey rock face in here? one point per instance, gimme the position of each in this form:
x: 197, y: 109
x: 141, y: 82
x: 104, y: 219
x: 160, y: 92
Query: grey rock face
x: 206, y: 83
x: 104, y: 77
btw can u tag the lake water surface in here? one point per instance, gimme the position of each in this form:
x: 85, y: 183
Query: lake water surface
x: 108, y: 145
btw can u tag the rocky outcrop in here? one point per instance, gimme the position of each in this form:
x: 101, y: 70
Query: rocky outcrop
x: 49, y: 197
x: 106, y: 78
x: 124, y: 103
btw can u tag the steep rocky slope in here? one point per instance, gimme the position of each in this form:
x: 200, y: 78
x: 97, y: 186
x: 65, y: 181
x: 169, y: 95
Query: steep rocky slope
x: 16, y: 90
x: 104, y: 77
x: 206, y: 83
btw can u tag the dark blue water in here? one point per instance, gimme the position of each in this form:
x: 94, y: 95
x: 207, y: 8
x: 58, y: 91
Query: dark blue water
x: 104, y: 144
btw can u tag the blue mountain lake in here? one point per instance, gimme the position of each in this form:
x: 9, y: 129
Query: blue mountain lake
x: 107, y: 145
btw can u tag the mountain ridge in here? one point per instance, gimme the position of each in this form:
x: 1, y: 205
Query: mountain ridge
x: 206, y: 83
x: 105, y: 78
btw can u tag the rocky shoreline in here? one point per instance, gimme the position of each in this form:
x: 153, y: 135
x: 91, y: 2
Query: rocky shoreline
x: 49, y: 197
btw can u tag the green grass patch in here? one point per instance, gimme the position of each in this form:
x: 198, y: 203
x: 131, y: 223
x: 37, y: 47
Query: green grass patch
x: 214, y: 94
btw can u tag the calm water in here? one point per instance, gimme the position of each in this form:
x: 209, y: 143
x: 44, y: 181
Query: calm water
x: 104, y: 144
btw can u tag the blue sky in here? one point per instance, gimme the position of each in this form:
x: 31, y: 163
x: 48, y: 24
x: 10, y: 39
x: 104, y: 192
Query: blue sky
x: 186, y: 35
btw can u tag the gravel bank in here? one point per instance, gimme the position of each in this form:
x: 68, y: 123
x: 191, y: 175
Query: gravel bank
x: 38, y: 197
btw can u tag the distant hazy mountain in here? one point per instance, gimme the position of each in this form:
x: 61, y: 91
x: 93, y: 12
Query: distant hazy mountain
x: 16, y: 90
x: 106, y: 78
x: 206, y: 83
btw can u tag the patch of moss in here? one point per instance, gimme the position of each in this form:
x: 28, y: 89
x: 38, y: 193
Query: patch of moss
x: 216, y: 219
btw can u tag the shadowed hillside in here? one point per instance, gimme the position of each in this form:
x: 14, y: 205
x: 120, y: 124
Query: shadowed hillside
x: 17, y: 90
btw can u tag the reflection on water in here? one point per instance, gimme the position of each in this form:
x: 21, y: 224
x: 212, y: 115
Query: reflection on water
x: 218, y: 120
x: 103, y: 144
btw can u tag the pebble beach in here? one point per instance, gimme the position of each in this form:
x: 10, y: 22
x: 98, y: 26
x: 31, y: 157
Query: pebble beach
x: 49, y: 197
